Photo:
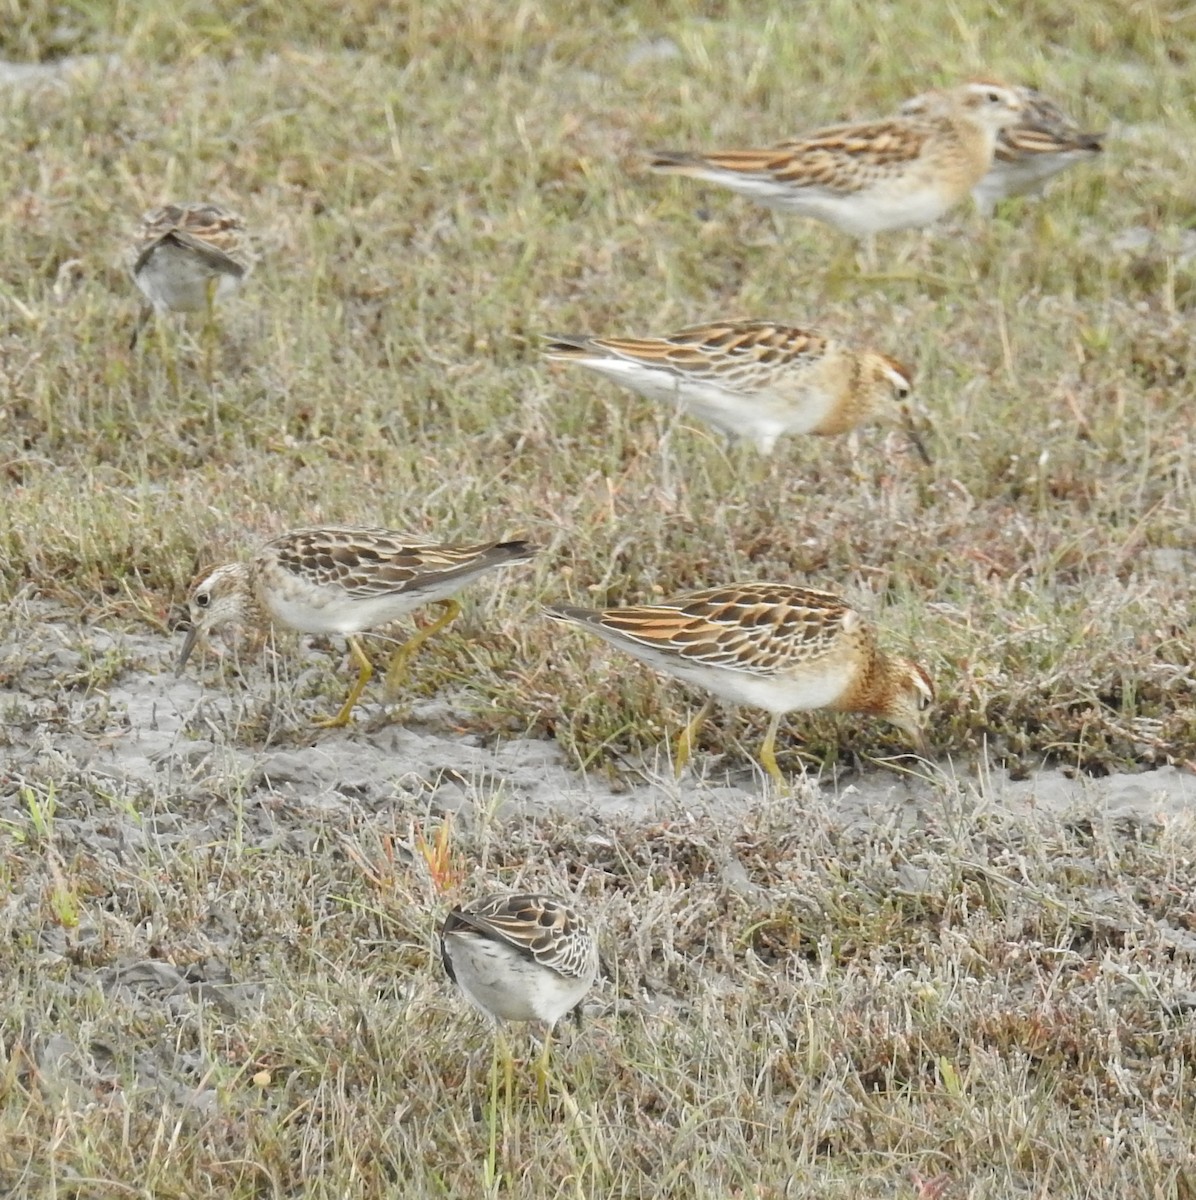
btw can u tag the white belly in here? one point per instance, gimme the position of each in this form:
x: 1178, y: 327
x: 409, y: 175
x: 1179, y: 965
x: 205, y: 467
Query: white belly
x: 758, y: 416
x: 338, y: 615
x: 890, y: 204
x: 817, y: 686
x: 173, y: 280
x: 328, y: 609
x: 877, y: 210
x: 508, y: 985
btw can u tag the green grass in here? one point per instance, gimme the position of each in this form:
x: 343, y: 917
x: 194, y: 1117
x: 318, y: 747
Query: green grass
x: 433, y: 188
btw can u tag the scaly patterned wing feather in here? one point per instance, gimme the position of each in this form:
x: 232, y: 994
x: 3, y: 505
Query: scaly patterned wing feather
x: 1028, y: 141
x: 758, y: 628
x: 207, y: 230
x: 727, y: 352
x: 840, y: 159
x: 546, y: 930
x: 738, y: 355
x: 376, y: 562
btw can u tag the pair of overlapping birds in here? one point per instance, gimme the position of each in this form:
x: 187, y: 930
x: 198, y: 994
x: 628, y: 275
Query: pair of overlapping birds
x: 775, y: 646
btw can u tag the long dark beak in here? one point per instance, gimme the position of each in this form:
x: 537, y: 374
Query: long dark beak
x: 911, y: 431
x: 188, y: 646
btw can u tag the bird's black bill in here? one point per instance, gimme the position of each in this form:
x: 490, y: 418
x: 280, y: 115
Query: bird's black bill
x: 188, y: 646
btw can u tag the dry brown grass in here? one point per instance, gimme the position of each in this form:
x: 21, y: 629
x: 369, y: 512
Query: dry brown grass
x: 429, y: 207
x: 799, y: 1003
x: 435, y: 188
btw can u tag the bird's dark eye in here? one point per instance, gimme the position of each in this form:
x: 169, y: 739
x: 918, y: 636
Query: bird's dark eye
x: 902, y: 391
x: 202, y: 599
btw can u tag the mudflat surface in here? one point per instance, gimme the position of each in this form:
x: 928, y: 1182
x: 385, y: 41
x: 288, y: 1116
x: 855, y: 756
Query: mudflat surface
x: 148, y: 737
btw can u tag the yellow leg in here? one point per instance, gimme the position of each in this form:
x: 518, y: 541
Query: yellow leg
x: 169, y: 349
x: 768, y: 755
x: 871, y: 262
x: 843, y: 270
x: 209, y: 328
x: 1047, y: 229
x: 365, y: 674
x: 499, y: 1049
x: 685, y: 743
x: 542, y: 1065
x: 508, y: 1068
x: 396, y: 673
x: 143, y: 317
x: 911, y: 432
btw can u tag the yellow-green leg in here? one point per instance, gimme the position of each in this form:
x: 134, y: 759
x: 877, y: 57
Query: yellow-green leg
x: 209, y: 326
x: 911, y: 432
x: 685, y: 743
x: 768, y: 754
x: 500, y: 1051
x: 843, y: 270
x: 542, y: 1064
x: 1046, y: 228
x: 143, y: 317
x: 396, y: 672
x: 365, y: 674
x: 870, y: 260
x: 168, y: 347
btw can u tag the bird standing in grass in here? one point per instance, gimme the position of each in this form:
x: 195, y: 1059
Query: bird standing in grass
x: 754, y: 380
x: 901, y: 172
x: 1028, y: 154
x: 523, y: 957
x: 188, y: 256
x: 347, y: 580
x: 520, y: 957
x: 771, y: 646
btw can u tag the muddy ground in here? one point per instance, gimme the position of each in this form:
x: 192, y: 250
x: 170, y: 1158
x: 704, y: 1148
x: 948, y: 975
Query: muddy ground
x: 151, y: 740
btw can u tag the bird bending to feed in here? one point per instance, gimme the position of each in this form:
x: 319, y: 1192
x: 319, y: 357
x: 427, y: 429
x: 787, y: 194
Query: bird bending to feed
x: 755, y: 380
x: 347, y: 580
x: 895, y: 173
x: 521, y: 957
x: 1029, y: 153
x: 186, y: 257
x: 771, y: 646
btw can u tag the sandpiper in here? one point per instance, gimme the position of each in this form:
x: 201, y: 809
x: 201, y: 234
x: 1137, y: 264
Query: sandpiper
x: 770, y: 645
x: 522, y: 957
x: 346, y: 580
x: 186, y: 257
x: 755, y: 380
x: 896, y: 173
